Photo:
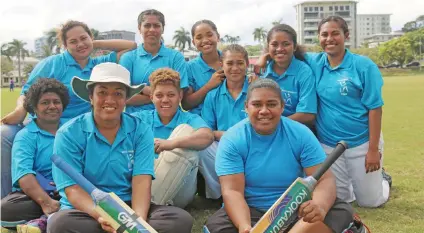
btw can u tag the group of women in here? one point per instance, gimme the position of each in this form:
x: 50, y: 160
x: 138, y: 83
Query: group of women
x: 142, y: 122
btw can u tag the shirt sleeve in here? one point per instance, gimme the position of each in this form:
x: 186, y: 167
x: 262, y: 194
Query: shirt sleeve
x: 311, y: 152
x: 23, y: 152
x: 191, y: 78
x: 144, y: 152
x: 180, y: 65
x: 208, y: 111
x: 307, y: 93
x: 111, y: 57
x: 126, y: 61
x: 42, y: 70
x: 197, y: 122
x: 372, y: 83
x: 228, y: 159
x: 67, y: 147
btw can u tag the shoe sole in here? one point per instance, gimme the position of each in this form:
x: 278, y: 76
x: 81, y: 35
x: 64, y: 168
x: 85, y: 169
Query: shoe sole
x: 28, y: 229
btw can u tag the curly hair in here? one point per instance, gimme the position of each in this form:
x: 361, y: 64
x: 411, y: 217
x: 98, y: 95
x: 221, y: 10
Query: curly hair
x: 42, y: 86
x: 61, y: 35
x: 164, y: 76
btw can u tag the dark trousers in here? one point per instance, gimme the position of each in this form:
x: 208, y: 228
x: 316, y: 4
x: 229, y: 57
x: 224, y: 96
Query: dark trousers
x: 338, y: 218
x: 162, y: 218
x: 18, y: 206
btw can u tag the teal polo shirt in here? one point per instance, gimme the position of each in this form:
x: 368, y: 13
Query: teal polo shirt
x: 297, y: 86
x: 110, y: 167
x: 63, y: 67
x: 346, y: 94
x: 270, y: 163
x: 31, y: 152
x: 199, y: 73
x: 221, y: 111
x: 141, y: 64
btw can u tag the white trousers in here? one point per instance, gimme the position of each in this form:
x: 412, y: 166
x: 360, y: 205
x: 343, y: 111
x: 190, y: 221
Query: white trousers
x: 353, y: 183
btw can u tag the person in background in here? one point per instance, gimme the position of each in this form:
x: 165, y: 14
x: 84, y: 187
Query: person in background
x: 149, y: 56
x: 78, y: 42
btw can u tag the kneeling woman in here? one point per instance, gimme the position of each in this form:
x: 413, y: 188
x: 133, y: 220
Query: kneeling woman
x: 31, y: 151
x: 114, y: 151
x: 178, y: 138
x: 259, y: 158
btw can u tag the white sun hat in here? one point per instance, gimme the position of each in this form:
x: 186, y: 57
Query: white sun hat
x: 105, y: 73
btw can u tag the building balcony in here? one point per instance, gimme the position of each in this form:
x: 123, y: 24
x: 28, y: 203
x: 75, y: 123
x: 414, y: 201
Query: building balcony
x: 311, y: 28
x: 308, y: 19
x: 309, y: 36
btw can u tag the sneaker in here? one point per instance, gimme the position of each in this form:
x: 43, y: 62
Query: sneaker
x: 38, y: 225
x: 387, y: 177
x: 357, y: 226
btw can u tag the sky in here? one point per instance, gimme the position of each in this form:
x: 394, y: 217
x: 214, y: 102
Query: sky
x: 28, y: 19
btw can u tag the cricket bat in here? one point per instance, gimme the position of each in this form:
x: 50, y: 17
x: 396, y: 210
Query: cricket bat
x: 283, y: 213
x: 108, y: 205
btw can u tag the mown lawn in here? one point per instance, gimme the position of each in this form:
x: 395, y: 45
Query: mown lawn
x: 403, y: 127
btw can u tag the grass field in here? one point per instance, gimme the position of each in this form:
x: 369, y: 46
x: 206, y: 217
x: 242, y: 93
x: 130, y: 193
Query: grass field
x: 403, y: 128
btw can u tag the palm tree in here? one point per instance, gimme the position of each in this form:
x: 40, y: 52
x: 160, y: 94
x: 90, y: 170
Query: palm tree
x: 46, y: 51
x: 259, y: 35
x: 17, y: 48
x: 52, y: 40
x: 5, y: 51
x: 277, y: 22
x: 181, y: 37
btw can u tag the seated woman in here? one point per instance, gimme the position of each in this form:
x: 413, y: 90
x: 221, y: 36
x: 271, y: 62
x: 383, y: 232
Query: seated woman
x: 223, y: 108
x: 178, y: 137
x: 31, y: 166
x: 260, y: 157
x: 114, y: 151
x: 78, y: 41
x: 284, y: 64
x: 152, y: 54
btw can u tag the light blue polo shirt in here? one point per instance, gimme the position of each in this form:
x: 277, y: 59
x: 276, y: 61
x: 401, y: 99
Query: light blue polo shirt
x: 297, y: 86
x: 270, y: 163
x: 199, y: 73
x: 63, y: 67
x: 31, y: 152
x: 346, y: 94
x: 109, y: 167
x: 141, y: 64
x: 221, y: 111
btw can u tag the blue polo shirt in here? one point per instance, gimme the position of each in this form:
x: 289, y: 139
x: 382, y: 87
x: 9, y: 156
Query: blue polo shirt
x: 297, y: 86
x: 141, y: 64
x: 31, y: 152
x: 346, y: 94
x: 63, y: 67
x: 221, y: 111
x: 199, y: 73
x: 110, y: 167
x: 270, y: 163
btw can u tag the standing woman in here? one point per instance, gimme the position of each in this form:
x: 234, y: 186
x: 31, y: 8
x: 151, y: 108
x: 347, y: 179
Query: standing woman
x: 78, y: 41
x: 149, y: 56
x: 295, y: 78
x: 350, y: 108
x: 204, y: 72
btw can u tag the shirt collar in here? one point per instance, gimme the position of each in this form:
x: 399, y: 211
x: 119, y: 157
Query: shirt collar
x: 346, y: 63
x: 142, y: 52
x: 224, y: 89
x: 33, y: 127
x: 204, y: 66
x: 172, y: 124
x: 291, y: 70
x: 70, y: 61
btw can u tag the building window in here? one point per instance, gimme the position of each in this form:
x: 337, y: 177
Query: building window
x: 316, y: 8
x: 306, y: 9
x: 342, y: 8
x: 347, y: 8
x: 311, y: 9
x: 336, y: 8
x: 330, y: 8
x: 321, y: 9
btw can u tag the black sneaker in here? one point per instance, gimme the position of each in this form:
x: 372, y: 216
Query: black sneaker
x: 387, y: 177
x: 357, y: 226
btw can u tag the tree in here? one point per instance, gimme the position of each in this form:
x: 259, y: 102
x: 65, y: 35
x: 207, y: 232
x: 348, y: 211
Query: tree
x: 17, y: 48
x: 410, y: 26
x: 52, y: 40
x: 253, y: 50
x: 28, y: 69
x: 274, y: 23
x: 6, y: 65
x: 46, y: 51
x: 181, y: 37
x: 5, y: 51
x: 259, y: 35
x: 397, y: 50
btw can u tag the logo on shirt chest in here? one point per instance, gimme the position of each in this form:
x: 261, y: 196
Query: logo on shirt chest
x: 130, y: 158
x: 288, y: 97
x: 344, y: 90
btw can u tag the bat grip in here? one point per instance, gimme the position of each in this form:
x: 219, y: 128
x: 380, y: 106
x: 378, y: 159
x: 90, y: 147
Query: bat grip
x: 71, y: 172
x: 331, y: 158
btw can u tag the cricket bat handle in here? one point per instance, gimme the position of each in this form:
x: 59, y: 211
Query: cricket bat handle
x: 331, y: 158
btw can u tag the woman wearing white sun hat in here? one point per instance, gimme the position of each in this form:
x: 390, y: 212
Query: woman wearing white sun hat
x: 114, y: 151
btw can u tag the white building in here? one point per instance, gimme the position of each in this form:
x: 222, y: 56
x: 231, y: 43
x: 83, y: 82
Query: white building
x: 14, y: 74
x: 310, y: 13
x: 381, y: 38
x: 116, y: 34
x: 371, y: 24
x: 39, y: 43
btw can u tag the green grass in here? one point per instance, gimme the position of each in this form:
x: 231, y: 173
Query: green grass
x: 403, y: 128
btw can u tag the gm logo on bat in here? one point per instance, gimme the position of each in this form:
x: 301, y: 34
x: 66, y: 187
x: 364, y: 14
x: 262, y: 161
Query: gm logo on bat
x: 126, y: 220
